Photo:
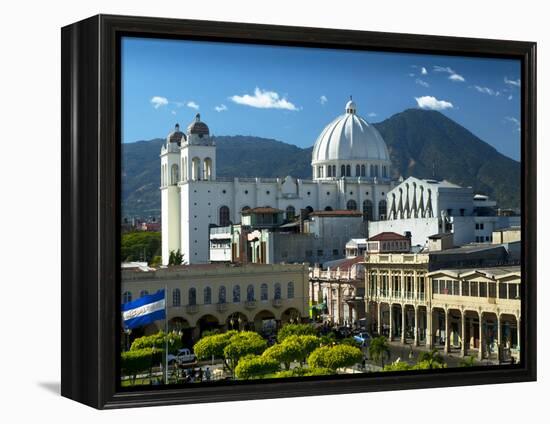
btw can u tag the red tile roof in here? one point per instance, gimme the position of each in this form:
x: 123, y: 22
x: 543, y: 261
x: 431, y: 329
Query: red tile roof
x: 387, y: 235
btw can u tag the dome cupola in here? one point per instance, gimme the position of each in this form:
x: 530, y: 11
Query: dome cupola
x: 198, y: 127
x: 176, y: 136
x: 350, y: 147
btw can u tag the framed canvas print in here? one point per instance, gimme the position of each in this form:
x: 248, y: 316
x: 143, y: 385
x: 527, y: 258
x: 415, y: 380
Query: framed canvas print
x: 255, y: 211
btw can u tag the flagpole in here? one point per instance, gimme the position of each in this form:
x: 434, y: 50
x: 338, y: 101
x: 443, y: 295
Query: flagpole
x: 166, y: 333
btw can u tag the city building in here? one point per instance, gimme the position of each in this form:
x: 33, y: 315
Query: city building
x: 351, y: 171
x: 388, y: 242
x: 424, y: 207
x: 475, y: 311
x: 209, y: 296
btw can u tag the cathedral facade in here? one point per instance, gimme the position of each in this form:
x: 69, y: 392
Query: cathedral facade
x: 350, y: 167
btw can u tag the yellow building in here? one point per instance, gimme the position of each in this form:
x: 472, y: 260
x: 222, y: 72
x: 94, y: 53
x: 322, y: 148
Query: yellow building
x: 469, y: 310
x: 204, y: 297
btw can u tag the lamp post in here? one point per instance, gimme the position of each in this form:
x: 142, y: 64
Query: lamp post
x: 127, y: 332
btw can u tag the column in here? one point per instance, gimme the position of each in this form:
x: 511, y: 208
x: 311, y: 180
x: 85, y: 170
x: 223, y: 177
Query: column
x: 463, y: 333
x: 403, y: 323
x: 416, y: 325
x: 390, y: 337
x: 480, y: 352
x: 379, y: 323
x: 447, y: 347
x: 429, y: 328
x: 499, y: 337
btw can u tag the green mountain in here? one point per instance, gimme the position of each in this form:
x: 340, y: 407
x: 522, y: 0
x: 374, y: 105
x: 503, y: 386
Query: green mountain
x: 421, y: 143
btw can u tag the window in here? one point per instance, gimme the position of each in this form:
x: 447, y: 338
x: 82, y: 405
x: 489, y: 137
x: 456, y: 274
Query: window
x: 277, y: 291
x: 290, y: 213
x: 320, y: 252
x: 224, y: 216
x: 250, y: 293
x: 462, y: 211
x: 482, y: 289
x: 334, y: 170
x: 492, y: 289
x: 175, y: 174
x: 474, y: 289
x: 127, y: 297
x: 367, y: 211
x: 329, y: 171
x: 502, y: 291
x: 290, y: 290
x: 513, y: 291
x: 207, y: 295
x: 221, y: 295
x: 143, y: 293
x: 351, y: 205
x: 363, y: 174
x: 384, y: 172
x: 236, y: 294
x: 382, y: 209
x: 263, y: 292
x: 335, y: 252
x: 192, y: 296
x: 357, y: 171
x: 343, y: 171
x: 176, y: 297
x: 465, y: 288
x: 348, y: 170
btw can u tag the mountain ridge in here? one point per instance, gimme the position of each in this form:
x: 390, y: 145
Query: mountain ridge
x: 422, y: 143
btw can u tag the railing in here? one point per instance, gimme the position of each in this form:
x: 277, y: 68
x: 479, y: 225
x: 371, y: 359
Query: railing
x: 250, y: 304
x: 192, y: 309
x: 221, y: 307
x: 277, y: 303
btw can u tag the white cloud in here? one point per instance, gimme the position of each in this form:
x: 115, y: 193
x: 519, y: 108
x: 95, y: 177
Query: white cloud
x: 422, y: 83
x: 430, y: 102
x: 515, y: 83
x: 158, y: 101
x: 264, y: 99
x: 323, y: 99
x: 424, y: 71
x: 510, y: 97
x: 453, y: 76
x: 514, y: 121
x: 192, y: 105
x: 487, y: 90
x: 372, y: 114
x: 220, y: 108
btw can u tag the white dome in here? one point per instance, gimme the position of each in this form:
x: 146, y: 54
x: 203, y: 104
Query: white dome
x: 350, y: 137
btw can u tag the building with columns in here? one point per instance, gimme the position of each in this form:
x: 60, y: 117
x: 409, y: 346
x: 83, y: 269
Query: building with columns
x: 471, y: 311
x: 351, y: 170
x: 222, y: 296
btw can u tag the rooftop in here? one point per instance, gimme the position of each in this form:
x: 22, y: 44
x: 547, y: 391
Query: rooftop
x: 264, y: 209
x: 388, y: 235
x: 336, y: 213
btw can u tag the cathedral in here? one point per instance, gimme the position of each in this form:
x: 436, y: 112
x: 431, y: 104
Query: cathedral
x: 350, y: 168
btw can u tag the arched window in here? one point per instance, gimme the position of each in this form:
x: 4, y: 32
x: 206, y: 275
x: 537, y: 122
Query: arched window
x: 250, y: 293
x: 384, y: 171
x: 334, y: 170
x: 236, y: 294
x: 277, y: 294
x: 343, y: 171
x: 351, y: 205
x: 126, y: 297
x: 143, y: 293
x: 207, y: 295
x: 196, y: 169
x: 329, y: 171
x: 376, y: 170
x: 290, y: 290
x: 382, y: 209
x: 290, y: 213
x: 372, y: 170
x: 367, y: 211
x: 309, y: 209
x: 221, y: 294
x: 175, y: 174
x: 328, y: 208
x: 245, y: 208
x: 207, y: 169
x: 363, y: 171
x: 357, y: 171
x: 348, y: 170
x: 263, y: 292
x: 176, y: 297
x: 224, y: 216
x: 192, y: 296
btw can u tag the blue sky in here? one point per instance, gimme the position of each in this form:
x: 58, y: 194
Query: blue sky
x: 290, y: 93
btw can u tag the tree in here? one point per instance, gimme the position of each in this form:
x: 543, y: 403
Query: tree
x: 139, y: 360
x: 379, y: 349
x: 334, y: 357
x: 430, y: 360
x: 242, y: 344
x: 158, y: 341
x: 296, y: 330
x: 212, y: 346
x: 293, y: 348
x: 140, y: 246
x: 255, y: 367
x: 175, y: 258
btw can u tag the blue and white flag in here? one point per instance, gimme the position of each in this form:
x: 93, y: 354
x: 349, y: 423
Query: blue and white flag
x: 144, y: 310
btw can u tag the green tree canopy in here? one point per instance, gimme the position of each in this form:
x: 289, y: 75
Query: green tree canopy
x: 379, y: 349
x: 255, y: 367
x: 213, y: 345
x: 334, y: 357
x: 140, y: 246
x: 293, y: 348
x: 242, y: 344
x: 139, y: 360
x: 431, y: 360
x: 158, y: 340
x: 295, y: 330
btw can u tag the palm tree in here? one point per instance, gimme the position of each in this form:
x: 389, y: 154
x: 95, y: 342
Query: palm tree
x: 432, y: 359
x: 379, y: 349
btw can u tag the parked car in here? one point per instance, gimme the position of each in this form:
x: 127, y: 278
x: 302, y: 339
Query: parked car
x: 363, y: 338
x: 184, y: 356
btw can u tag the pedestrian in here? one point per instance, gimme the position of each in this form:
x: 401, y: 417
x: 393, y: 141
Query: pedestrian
x: 200, y: 374
x: 207, y: 374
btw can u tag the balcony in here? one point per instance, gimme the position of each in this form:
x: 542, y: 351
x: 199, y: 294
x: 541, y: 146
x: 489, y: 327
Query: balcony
x: 221, y: 307
x: 250, y: 304
x: 277, y: 303
x: 192, y: 309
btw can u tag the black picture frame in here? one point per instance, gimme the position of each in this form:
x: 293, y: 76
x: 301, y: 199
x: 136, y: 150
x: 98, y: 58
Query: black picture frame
x: 91, y: 208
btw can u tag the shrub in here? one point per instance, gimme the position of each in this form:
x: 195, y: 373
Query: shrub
x: 213, y: 345
x: 334, y: 357
x: 139, y: 360
x: 255, y: 367
x: 398, y: 366
x: 295, y: 330
x: 158, y: 341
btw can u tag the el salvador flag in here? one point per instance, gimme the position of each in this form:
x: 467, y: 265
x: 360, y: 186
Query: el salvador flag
x: 144, y: 310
